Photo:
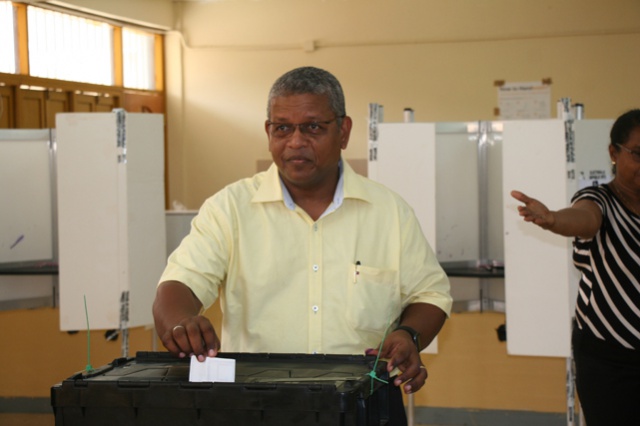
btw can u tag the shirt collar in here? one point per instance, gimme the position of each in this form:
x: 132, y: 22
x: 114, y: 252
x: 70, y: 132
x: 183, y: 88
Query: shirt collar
x: 350, y: 185
x: 338, y: 195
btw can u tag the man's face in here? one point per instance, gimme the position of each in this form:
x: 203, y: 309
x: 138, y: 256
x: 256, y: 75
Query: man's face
x: 305, y: 140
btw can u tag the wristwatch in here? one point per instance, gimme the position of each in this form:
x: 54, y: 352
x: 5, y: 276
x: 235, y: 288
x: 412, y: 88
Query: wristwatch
x: 415, y: 336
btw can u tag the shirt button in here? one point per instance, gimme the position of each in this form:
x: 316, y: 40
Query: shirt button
x: 315, y: 268
x: 315, y: 308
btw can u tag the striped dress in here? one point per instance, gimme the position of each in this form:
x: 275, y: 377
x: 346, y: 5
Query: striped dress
x: 608, y: 302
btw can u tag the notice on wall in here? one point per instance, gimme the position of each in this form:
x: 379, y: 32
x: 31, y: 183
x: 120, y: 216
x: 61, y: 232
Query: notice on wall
x: 524, y: 100
x: 594, y: 178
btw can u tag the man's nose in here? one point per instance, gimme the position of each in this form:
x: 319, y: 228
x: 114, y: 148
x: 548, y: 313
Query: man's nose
x: 298, y: 137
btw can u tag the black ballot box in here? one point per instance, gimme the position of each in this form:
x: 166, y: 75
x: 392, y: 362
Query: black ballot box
x: 270, y: 389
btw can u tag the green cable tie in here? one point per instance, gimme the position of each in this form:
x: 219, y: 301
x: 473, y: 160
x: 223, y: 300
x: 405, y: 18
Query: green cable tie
x: 372, y: 373
x: 88, y: 368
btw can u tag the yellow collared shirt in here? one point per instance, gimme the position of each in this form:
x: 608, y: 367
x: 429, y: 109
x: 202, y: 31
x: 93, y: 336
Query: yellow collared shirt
x: 288, y: 284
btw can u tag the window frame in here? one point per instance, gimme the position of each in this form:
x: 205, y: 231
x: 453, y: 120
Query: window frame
x: 22, y: 50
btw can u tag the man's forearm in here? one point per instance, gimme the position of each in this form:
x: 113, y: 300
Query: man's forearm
x: 426, y: 319
x: 174, y: 301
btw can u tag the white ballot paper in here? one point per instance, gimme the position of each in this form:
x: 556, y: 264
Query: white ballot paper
x: 212, y: 370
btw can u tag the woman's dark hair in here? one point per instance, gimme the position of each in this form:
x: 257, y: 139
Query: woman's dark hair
x: 621, y: 131
x: 622, y: 128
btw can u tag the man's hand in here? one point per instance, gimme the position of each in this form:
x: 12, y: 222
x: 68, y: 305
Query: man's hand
x: 400, y: 351
x: 180, y: 328
x: 191, y: 336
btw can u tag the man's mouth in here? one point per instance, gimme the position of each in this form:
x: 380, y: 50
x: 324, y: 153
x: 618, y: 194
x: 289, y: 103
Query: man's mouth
x: 297, y: 160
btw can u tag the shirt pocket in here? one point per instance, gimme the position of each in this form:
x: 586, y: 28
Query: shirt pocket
x: 373, y: 298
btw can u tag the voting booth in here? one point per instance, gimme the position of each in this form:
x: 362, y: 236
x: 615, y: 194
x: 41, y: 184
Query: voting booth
x: 28, y: 238
x: 111, y: 217
x: 458, y: 178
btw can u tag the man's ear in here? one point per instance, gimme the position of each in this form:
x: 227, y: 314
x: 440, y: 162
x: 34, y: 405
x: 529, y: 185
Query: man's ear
x: 345, y: 129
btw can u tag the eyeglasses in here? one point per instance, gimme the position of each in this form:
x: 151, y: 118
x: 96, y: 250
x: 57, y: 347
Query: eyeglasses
x: 312, y: 128
x: 634, y: 154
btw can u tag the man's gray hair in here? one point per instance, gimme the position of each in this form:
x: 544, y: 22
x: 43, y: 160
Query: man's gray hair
x: 309, y: 80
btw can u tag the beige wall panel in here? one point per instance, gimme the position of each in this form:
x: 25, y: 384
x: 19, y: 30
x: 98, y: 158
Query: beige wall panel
x: 472, y: 370
x: 339, y: 23
x: 49, y: 356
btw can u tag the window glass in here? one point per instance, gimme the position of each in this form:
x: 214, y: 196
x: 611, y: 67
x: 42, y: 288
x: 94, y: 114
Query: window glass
x: 7, y: 38
x: 68, y: 47
x: 138, y: 60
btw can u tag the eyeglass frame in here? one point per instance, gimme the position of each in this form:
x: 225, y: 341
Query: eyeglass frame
x: 634, y: 154
x: 303, y: 127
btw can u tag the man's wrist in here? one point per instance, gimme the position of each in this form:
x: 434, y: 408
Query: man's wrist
x: 415, y: 336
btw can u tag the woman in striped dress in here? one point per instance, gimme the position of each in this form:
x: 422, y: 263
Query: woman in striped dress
x: 605, y: 222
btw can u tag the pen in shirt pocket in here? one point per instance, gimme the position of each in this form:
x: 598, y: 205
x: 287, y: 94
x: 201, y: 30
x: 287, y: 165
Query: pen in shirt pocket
x: 356, y: 272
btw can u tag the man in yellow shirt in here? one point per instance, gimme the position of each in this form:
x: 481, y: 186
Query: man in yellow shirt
x: 307, y: 257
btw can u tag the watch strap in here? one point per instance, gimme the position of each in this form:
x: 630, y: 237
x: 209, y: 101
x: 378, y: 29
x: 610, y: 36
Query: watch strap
x: 415, y: 336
